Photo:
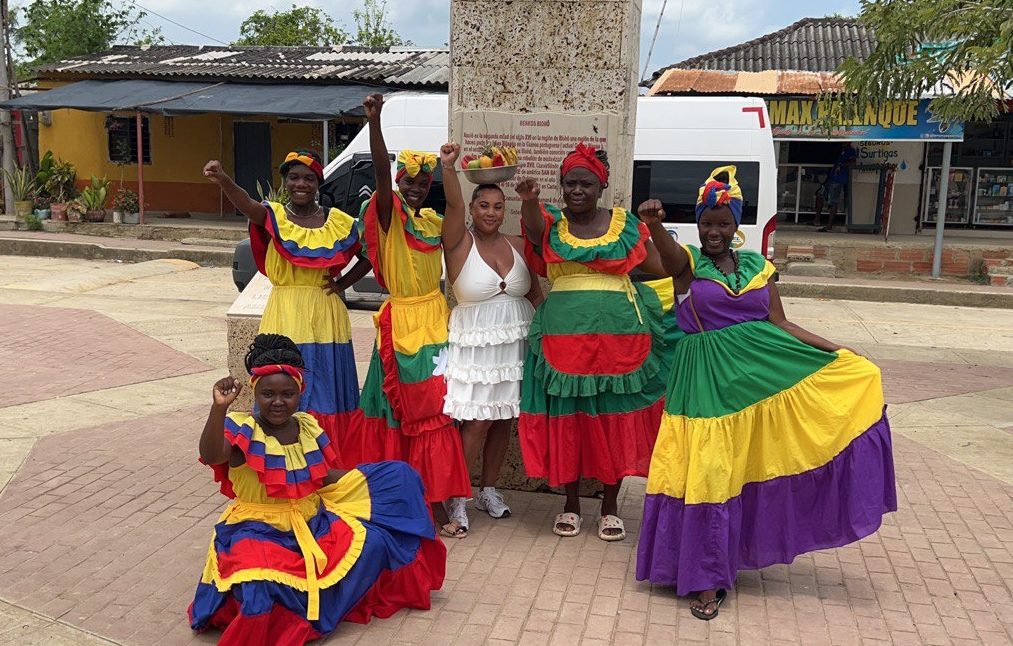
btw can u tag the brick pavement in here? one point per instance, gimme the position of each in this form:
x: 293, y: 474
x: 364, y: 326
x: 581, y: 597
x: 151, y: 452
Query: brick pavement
x: 70, y: 351
x: 107, y: 532
x: 911, y: 381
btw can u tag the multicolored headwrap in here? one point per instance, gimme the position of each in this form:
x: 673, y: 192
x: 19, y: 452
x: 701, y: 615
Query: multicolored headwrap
x: 714, y: 193
x: 584, y: 157
x: 412, y: 163
x: 278, y: 368
x: 296, y: 157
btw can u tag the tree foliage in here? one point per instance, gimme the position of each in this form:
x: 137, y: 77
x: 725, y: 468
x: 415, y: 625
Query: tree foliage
x: 960, y: 51
x: 298, y: 26
x: 372, y: 27
x: 46, y: 31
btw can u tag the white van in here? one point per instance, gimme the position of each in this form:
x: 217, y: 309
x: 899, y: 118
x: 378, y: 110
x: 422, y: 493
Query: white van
x: 679, y: 141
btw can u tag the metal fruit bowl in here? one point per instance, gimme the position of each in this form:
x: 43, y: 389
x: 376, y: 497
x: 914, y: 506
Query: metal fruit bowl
x: 493, y: 175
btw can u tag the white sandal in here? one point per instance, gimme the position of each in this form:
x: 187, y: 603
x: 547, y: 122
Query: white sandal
x: 611, y: 522
x: 567, y: 518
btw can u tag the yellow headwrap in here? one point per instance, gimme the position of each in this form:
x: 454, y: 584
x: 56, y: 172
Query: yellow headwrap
x: 714, y: 193
x: 413, y: 162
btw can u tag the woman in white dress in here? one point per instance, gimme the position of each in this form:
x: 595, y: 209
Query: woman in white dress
x: 496, y: 293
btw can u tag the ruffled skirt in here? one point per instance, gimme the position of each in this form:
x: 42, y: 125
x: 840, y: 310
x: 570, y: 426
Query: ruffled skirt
x: 372, y: 551
x: 488, y: 341
x: 784, y: 450
x: 594, y: 383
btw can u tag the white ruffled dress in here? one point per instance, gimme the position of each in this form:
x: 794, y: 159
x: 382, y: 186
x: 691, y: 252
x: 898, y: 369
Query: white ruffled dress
x: 488, y: 340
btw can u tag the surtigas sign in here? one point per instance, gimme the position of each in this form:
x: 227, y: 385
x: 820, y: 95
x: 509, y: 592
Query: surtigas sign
x: 805, y: 119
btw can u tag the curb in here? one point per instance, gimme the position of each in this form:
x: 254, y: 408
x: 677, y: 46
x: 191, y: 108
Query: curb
x: 892, y: 294
x: 94, y: 251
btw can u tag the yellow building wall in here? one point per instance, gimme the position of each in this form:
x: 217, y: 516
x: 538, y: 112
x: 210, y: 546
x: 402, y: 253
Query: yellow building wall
x: 180, y: 146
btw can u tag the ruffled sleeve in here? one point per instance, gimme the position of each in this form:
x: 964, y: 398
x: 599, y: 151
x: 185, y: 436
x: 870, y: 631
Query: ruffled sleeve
x: 423, y: 231
x: 331, y: 246
x: 617, y: 251
x: 286, y: 471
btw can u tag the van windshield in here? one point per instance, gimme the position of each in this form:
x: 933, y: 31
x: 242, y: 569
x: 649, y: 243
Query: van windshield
x: 677, y: 184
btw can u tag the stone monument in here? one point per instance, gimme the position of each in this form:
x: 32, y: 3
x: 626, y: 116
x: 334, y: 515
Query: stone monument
x: 543, y: 75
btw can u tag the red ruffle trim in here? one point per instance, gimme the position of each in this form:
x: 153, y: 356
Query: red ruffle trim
x: 280, y: 626
x: 426, y: 397
x: 604, y: 447
x: 407, y: 587
x: 437, y: 455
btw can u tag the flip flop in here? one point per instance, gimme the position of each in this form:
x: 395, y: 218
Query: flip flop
x: 567, y: 518
x: 718, y: 599
x: 453, y: 530
x: 611, y: 522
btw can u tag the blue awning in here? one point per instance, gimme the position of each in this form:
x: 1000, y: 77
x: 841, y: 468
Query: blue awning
x: 294, y: 101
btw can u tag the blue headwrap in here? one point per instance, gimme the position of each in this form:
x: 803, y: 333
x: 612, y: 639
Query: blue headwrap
x: 714, y: 193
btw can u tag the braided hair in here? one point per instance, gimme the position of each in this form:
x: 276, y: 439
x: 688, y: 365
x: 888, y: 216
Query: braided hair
x: 268, y: 349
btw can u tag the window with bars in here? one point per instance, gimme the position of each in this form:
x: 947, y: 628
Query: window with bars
x: 122, y: 133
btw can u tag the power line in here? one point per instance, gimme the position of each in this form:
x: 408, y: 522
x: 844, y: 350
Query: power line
x: 657, y: 28
x: 180, y: 25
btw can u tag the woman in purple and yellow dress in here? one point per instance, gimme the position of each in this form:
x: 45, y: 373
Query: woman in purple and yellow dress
x: 302, y: 248
x: 774, y: 442
x: 304, y: 544
x: 593, y: 387
x: 404, y: 391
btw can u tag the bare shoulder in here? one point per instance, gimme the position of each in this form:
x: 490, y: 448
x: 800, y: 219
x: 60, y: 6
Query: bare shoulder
x: 516, y: 241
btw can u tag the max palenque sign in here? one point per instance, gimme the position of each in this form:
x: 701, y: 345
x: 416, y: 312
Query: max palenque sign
x: 808, y: 118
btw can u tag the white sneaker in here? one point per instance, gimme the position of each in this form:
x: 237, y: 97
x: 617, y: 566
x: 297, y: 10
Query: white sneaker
x: 456, y: 510
x: 491, y: 501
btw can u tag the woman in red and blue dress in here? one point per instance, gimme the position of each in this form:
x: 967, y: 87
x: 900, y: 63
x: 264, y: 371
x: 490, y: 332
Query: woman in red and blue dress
x: 304, y: 544
x: 302, y: 248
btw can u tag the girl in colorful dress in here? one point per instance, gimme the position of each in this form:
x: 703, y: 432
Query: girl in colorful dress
x: 774, y: 442
x: 592, y: 393
x: 304, y: 544
x: 302, y: 248
x: 495, y: 291
x: 402, y: 398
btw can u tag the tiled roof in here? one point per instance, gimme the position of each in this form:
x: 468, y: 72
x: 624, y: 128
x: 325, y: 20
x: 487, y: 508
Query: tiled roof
x: 809, y: 45
x: 395, y: 67
x: 680, y: 81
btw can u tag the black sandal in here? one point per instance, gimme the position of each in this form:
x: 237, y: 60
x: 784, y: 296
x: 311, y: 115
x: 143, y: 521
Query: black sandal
x: 717, y: 601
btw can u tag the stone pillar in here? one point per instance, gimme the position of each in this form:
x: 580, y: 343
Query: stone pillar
x: 242, y: 322
x: 543, y: 75
x: 528, y: 70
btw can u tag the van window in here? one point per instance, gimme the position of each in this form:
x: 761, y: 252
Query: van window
x: 677, y: 184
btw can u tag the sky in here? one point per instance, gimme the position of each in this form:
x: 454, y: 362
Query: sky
x: 688, y: 27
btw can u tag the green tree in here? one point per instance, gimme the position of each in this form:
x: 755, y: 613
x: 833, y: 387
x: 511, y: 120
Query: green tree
x: 372, y: 28
x: 51, y: 30
x: 958, y: 50
x: 297, y: 26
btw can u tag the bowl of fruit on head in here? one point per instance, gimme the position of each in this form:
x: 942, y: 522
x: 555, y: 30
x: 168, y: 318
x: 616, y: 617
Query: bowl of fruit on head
x: 496, y: 164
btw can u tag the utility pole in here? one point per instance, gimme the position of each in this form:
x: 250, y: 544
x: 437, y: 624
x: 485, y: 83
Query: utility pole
x: 6, y: 132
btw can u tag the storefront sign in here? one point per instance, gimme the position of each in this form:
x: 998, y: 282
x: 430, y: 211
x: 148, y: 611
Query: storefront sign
x: 804, y: 119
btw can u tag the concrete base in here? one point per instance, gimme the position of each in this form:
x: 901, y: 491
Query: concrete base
x: 817, y: 268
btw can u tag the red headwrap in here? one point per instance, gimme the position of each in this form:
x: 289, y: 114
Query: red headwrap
x: 276, y: 368
x: 583, y: 157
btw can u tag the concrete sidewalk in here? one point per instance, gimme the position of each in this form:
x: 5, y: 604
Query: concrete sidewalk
x: 107, y: 515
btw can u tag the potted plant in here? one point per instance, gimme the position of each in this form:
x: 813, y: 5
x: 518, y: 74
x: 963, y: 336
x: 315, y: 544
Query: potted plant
x: 42, y: 203
x: 94, y: 198
x: 56, y: 179
x: 76, y: 209
x: 22, y: 185
x: 126, y: 207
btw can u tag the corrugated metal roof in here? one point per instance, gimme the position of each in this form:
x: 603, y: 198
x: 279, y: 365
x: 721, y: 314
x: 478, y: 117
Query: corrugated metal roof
x: 811, y: 45
x: 405, y: 67
x: 771, y: 82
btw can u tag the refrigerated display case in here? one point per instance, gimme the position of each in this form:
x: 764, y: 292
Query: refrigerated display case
x: 993, y: 197
x: 958, y: 198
